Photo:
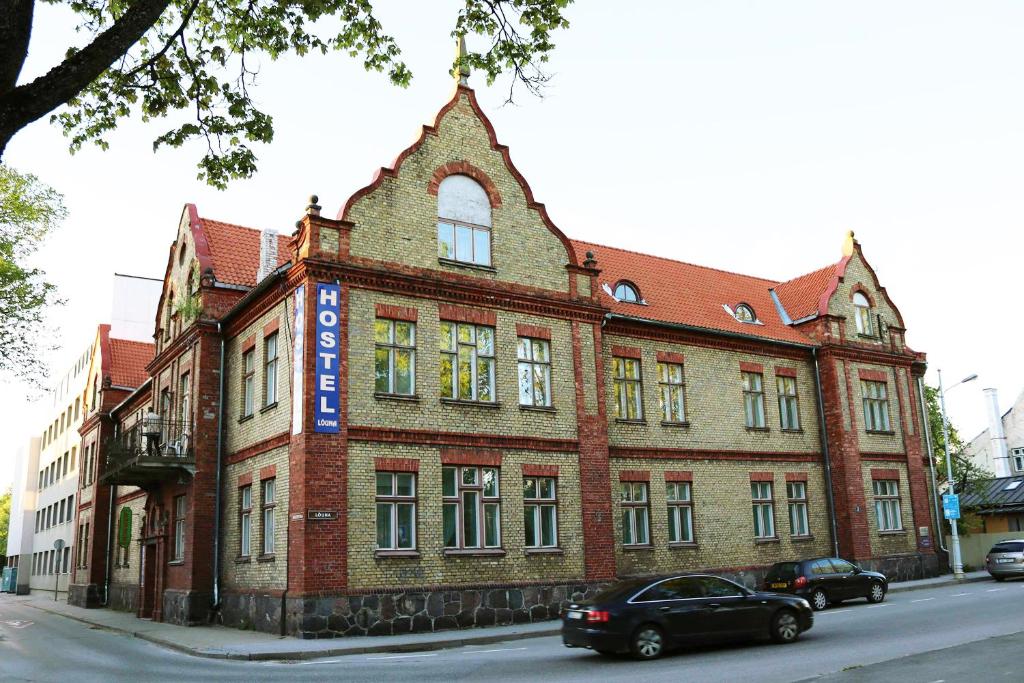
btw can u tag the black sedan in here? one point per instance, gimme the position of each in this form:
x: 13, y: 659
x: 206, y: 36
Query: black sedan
x: 826, y: 580
x: 648, y: 616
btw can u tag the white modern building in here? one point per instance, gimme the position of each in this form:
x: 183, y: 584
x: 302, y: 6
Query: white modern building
x: 1000, y: 448
x: 23, y: 508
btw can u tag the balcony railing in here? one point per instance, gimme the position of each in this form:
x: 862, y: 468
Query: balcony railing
x: 151, y: 449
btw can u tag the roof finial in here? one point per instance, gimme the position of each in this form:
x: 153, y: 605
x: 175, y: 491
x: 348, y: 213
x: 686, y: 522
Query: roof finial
x: 461, y: 66
x: 849, y: 244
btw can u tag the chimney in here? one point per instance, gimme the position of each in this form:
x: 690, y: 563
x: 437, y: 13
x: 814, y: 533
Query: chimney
x: 268, y: 254
x: 997, y: 446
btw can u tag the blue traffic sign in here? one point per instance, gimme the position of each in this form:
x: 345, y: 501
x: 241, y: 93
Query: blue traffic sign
x: 951, y: 506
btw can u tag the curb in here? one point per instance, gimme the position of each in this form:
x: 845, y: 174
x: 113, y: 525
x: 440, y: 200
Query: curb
x: 898, y: 588
x: 297, y: 655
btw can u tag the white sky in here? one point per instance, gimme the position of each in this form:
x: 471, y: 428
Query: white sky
x: 747, y: 136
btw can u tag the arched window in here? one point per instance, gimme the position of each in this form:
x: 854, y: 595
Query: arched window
x: 862, y: 313
x: 463, y: 221
x: 625, y: 291
x: 745, y: 314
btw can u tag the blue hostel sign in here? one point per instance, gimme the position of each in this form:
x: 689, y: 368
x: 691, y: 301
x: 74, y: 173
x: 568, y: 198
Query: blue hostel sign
x: 951, y: 506
x: 328, y: 357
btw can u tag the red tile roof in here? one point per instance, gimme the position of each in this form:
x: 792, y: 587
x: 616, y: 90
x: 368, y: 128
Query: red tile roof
x: 235, y: 251
x: 128, y: 360
x: 688, y: 294
x: 801, y: 296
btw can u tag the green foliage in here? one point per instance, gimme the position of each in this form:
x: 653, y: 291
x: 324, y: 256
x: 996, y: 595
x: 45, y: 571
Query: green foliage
x: 29, y: 211
x: 5, y: 519
x: 190, y: 308
x: 966, y: 474
x: 195, y: 64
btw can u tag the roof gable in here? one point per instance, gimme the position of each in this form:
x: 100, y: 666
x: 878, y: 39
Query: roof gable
x: 128, y: 360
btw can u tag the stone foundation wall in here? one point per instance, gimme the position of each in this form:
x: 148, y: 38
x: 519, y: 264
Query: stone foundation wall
x: 251, y: 612
x: 86, y: 595
x: 906, y: 567
x: 124, y: 597
x: 186, y: 608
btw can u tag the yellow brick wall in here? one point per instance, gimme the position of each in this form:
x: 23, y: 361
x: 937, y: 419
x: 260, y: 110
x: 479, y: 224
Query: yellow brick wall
x: 433, y: 567
x: 840, y: 304
x: 714, y: 402
x: 875, y: 442
x: 723, y: 525
x: 429, y: 412
x: 398, y: 221
x: 119, y: 572
x: 897, y: 542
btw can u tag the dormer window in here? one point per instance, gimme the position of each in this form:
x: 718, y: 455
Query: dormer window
x: 745, y: 314
x: 862, y: 314
x: 625, y: 291
x: 463, y: 221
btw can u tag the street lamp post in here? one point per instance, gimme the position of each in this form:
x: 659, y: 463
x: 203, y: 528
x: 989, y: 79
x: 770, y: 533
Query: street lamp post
x: 958, y: 566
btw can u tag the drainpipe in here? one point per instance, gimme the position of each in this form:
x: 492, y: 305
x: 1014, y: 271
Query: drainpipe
x: 217, y: 496
x: 829, y: 495
x: 110, y: 535
x: 936, y: 507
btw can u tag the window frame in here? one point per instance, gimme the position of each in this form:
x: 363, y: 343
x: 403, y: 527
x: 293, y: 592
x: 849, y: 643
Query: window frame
x: 534, y: 507
x: 631, y: 507
x: 887, y: 499
x: 474, y: 230
x: 451, y: 355
x: 393, y: 501
x: 752, y: 395
x: 248, y: 382
x: 796, y: 499
x: 245, y: 520
x: 862, y: 314
x: 180, y: 517
x: 393, y: 348
x: 678, y: 509
x: 876, y: 407
x: 666, y: 388
x: 1017, y: 459
x: 270, y: 369
x: 532, y: 364
x: 789, y: 403
x: 483, y: 501
x: 626, y: 284
x: 620, y: 384
x: 763, y: 505
x: 268, y: 519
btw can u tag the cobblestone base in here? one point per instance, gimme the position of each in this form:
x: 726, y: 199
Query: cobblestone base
x: 124, y: 597
x: 84, y: 595
x: 251, y: 612
x: 906, y: 567
x: 186, y: 608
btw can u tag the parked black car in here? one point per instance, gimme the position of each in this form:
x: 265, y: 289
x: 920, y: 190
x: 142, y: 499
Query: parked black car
x: 648, y: 616
x: 825, y: 580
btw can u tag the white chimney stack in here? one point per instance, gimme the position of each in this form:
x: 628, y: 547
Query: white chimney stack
x: 997, y: 445
x: 268, y: 254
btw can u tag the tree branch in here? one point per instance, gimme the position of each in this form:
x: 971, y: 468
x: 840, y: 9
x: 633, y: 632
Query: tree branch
x: 15, y: 32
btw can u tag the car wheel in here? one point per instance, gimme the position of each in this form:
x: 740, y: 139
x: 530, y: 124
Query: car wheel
x: 819, y: 600
x: 877, y: 593
x: 648, y: 642
x: 785, y: 627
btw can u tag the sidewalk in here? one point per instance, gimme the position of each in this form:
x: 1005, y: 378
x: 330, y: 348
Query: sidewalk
x: 218, y: 642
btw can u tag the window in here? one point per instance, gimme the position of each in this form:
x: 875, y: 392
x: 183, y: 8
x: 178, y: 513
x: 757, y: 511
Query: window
x: 396, y: 510
x: 395, y: 357
x: 635, y: 513
x: 671, y: 392
x: 745, y: 314
x: 470, y: 495
x: 789, y: 411
x: 540, y: 512
x: 467, y: 362
x: 186, y: 401
x: 680, y: 511
x: 78, y: 404
x: 248, y: 381
x: 464, y: 221
x: 269, y: 504
x: 245, y: 521
x: 628, y: 394
x: 624, y: 291
x: 764, y: 509
x: 753, y: 399
x: 887, y: 504
x: 862, y: 314
x: 682, y: 588
x: 60, y: 511
x: 1018, y: 459
x: 796, y: 491
x: 534, y: 372
x: 876, y: 406
x: 178, y: 551
x: 270, y: 370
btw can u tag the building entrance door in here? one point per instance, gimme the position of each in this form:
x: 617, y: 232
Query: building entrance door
x: 147, y: 585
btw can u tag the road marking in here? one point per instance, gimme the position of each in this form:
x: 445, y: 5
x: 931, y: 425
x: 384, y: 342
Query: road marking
x: 322, y: 661
x: 18, y: 623
x: 838, y: 611
x: 993, y: 590
x: 922, y: 600
x: 501, y: 649
x: 957, y: 595
x: 874, y: 606
x: 430, y: 654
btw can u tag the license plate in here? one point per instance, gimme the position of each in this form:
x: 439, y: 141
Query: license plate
x: 1004, y: 560
x: 574, y: 615
x: 779, y: 585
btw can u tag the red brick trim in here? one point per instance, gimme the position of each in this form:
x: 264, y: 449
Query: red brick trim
x: 873, y: 375
x: 459, y: 314
x: 268, y: 472
x: 634, y: 475
x: 396, y: 464
x: 249, y: 343
x: 626, y: 351
x: 679, y: 475
x: 470, y: 456
x: 245, y: 479
x: 859, y: 288
x: 670, y: 357
x: 878, y: 473
x: 455, y: 439
x: 883, y: 457
x: 533, y: 331
x: 389, y: 312
x: 530, y: 470
x: 259, y: 448
x: 271, y: 327
x: 751, y: 367
x: 785, y: 372
x: 762, y: 476
x: 623, y: 452
x: 467, y: 169
x: 134, y: 495
x: 796, y: 476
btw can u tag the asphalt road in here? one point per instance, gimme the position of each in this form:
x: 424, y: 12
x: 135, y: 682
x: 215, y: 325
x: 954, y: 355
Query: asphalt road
x: 852, y: 642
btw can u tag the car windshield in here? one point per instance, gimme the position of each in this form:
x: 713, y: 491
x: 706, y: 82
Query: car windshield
x: 1007, y: 548
x: 784, y: 570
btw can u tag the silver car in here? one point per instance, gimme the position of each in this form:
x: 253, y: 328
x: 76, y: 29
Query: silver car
x: 1006, y: 559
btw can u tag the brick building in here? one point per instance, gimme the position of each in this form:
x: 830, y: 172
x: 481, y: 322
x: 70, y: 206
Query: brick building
x: 436, y: 410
